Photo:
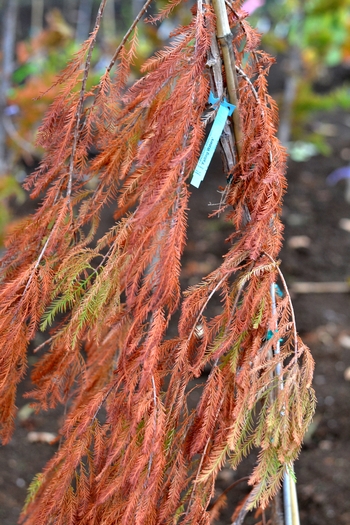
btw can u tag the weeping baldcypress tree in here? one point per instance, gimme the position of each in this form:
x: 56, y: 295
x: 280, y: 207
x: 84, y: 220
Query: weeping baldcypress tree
x: 106, y: 301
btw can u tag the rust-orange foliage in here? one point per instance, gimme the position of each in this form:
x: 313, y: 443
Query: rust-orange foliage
x: 150, y: 459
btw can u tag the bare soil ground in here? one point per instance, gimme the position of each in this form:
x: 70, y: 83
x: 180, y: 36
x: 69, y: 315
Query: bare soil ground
x: 312, y: 209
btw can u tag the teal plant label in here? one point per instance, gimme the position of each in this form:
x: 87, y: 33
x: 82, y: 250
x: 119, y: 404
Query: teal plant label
x: 225, y: 110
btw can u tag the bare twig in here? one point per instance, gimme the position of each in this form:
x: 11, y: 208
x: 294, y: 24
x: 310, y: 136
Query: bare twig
x: 247, y: 505
x: 128, y: 33
x: 195, y: 482
x: 16, y: 137
x: 216, y: 287
x: 80, y: 106
x: 285, y: 286
x: 38, y: 261
x: 247, y: 79
x: 154, y: 424
x: 223, y: 494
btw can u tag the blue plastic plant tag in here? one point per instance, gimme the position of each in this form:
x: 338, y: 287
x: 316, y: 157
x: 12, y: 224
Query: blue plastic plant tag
x: 225, y: 110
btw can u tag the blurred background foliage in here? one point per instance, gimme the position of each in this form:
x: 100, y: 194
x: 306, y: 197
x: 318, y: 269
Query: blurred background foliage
x: 311, y: 40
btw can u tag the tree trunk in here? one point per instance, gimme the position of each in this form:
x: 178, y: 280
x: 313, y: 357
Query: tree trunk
x: 84, y: 20
x: 37, y: 17
x: 109, y: 27
x: 8, y: 44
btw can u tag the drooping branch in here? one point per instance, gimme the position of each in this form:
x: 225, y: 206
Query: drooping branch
x: 80, y: 105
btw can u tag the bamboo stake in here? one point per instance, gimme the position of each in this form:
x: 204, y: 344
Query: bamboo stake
x: 290, y: 498
x: 291, y: 514
x: 223, y: 33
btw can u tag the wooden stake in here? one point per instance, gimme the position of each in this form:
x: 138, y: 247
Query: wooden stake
x: 223, y: 33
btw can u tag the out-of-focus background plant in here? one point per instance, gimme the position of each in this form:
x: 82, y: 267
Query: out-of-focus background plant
x: 38, y: 37
x: 311, y: 40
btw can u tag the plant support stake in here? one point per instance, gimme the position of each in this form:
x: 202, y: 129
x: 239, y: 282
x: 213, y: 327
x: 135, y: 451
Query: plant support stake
x: 290, y: 499
x: 224, y: 35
